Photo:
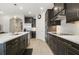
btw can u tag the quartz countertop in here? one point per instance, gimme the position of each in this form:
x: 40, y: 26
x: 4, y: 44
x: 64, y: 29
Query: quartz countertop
x: 9, y: 36
x: 72, y: 38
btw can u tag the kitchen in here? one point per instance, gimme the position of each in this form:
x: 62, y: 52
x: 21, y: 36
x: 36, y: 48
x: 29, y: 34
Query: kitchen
x: 55, y: 24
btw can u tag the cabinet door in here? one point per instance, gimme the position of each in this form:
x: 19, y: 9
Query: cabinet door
x: 58, y: 7
x: 60, y: 48
x: 53, y: 44
x: 72, y: 12
x: 50, y: 42
x: 12, y: 47
x: 72, y: 51
x: 28, y: 19
x: 26, y: 40
x: 49, y: 15
x: 33, y: 22
x: 22, y: 42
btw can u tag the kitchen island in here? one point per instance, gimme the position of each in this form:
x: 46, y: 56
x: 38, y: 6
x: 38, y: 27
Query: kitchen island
x: 63, y: 44
x: 13, y: 44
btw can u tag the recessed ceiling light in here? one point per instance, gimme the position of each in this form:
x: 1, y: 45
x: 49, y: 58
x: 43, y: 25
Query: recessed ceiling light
x: 41, y: 8
x: 55, y: 8
x: 15, y: 16
x: 1, y: 12
x: 21, y: 8
x: 29, y: 12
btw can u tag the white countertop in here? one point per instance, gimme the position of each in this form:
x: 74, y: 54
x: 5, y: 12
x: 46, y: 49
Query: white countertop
x: 9, y: 36
x: 72, y: 38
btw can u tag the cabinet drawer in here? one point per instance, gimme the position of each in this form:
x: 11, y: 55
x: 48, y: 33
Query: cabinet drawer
x: 74, y: 50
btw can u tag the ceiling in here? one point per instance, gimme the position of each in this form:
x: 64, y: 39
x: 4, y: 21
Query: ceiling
x: 28, y: 9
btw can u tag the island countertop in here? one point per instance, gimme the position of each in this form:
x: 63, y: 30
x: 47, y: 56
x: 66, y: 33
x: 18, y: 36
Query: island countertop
x: 9, y: 36
x: 72, y: 38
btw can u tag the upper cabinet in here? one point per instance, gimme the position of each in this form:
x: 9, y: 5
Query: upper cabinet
x: 72, y: 12
x: 57, y: 10
x: 52, y: 14
x: 48, y: 16
x: 58, y: 7
x: 33, y: 22
x: 28, y: 19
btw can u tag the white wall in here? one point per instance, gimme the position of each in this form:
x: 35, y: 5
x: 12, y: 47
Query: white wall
x: 69, y: 27
x: 5, y: 21
x: 40, y: 27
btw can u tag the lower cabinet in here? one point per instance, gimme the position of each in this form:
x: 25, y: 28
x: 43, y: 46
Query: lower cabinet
x: 61, y: 47
x: 12, y: 47
x: 72, y: 51
x: 16, y: 46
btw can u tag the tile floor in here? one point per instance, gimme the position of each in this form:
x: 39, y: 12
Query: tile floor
x: 39, y: 47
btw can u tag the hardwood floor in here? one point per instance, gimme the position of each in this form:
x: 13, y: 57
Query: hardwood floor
x: 39, y: 47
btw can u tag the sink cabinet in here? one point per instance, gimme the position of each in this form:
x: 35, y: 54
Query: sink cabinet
x: 60, y: 46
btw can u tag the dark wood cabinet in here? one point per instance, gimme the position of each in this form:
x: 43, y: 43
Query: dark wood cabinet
x: 72, y: 12
x: 16, y: 46
x: 12, y: 47
x: 33, y: 22
x: 28, y: 19
x: 58, y: 7
x: 52, y: 42
x: 22, y: 44
x: 56, y: 45
x: 26, y: 40
x: 60, y: 46
x: 48, y: 16
x: 50, y: 19
x: 72, y: 51
x: 51, y: 14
